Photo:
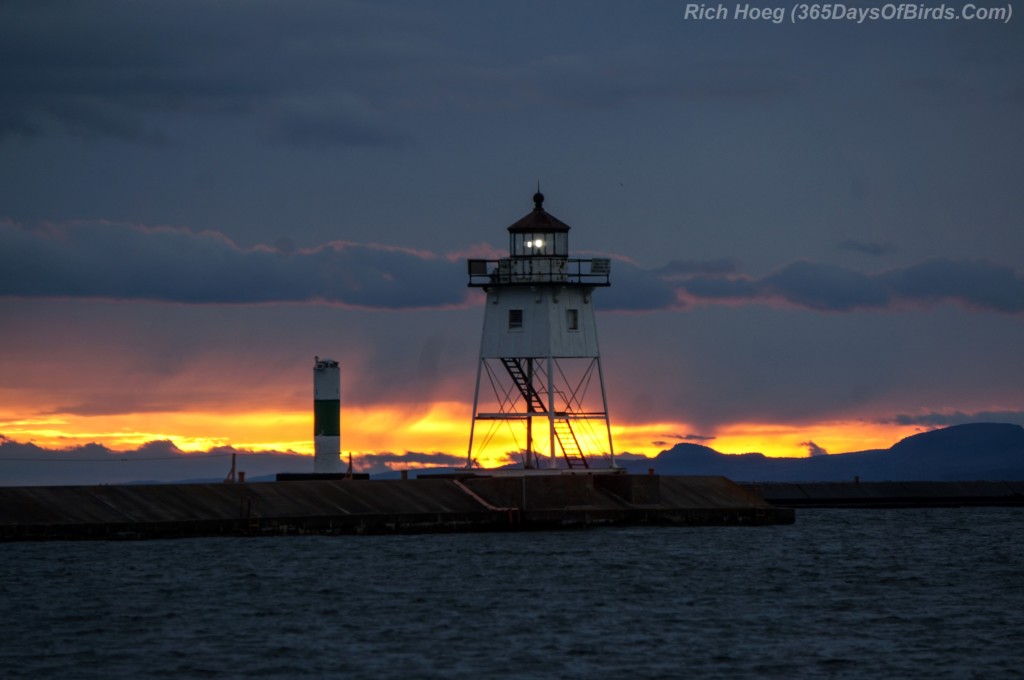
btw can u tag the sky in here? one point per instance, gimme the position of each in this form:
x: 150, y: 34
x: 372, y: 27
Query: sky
x: 815, y: 227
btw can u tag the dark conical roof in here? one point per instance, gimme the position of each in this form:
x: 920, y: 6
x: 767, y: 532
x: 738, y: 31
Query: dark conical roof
x: 538, y: 219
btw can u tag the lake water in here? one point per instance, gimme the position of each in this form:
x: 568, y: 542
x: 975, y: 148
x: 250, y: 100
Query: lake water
x: 928, y: 593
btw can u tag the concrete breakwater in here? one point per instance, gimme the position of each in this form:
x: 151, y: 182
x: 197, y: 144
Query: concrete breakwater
x: 890, y: 494
x: 456, y: 503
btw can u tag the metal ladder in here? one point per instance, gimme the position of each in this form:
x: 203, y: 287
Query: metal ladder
x: 564, y: 433
x: 526, y: 388
x: 566, y: 437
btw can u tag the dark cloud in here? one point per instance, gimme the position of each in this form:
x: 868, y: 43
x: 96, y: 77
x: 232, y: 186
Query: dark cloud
x: 973, y: 284
x: 71, y: 69
x: 688, y: 437
x: 688, y: 268
x: 104, y: 260
x: 379, y: 463
x: 318, y: 74
x: 116, y: 261
x: 813, y: 449
x: 724, y: 289
x: 697, y: 438
x: 683, y: 438
x: 636, y: 289
x: 156, y: 461
x: 937, y: 419
x: 162, y: 461
x: 825, y: 287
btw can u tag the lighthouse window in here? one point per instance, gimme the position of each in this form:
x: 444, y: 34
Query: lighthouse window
x: 532, y: 244
x: 572, y: 319
x: 515, y: 318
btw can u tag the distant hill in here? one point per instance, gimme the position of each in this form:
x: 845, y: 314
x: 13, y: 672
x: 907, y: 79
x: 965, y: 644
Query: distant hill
x: 976, y: 451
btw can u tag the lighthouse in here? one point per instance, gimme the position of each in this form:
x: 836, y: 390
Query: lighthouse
x: 539, y: 376
x: 326, y: 416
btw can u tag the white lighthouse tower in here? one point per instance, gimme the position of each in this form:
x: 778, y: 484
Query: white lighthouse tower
x: 539, y: 350
x: 326, y: 416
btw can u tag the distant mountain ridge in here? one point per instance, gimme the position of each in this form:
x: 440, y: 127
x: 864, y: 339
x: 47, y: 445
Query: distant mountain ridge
x: 971, y: 452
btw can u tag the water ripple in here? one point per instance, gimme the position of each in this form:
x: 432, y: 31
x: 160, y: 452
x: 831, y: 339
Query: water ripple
x: 841, y: 594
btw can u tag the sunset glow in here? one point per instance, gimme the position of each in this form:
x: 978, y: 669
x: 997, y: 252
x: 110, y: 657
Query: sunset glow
x: 440, y: 427
x: 792, y: 441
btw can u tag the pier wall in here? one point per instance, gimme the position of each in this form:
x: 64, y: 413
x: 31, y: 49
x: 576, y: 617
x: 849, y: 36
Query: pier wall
x: 476, y: 503
x: 890, y: 494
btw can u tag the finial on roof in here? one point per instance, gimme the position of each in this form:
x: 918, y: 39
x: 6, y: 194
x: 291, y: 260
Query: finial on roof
x: 538, y: 198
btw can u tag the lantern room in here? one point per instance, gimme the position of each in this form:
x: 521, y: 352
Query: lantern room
x: 539, y: 234
x: 538, y: 253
